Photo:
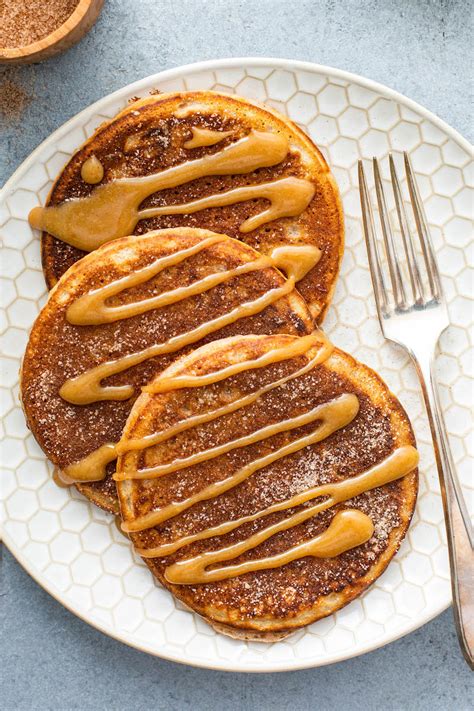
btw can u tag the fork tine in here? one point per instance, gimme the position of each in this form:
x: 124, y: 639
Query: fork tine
x: 375, y: 265
x: 390, y: 249
x: 423, y: 233
x: 412, y: 262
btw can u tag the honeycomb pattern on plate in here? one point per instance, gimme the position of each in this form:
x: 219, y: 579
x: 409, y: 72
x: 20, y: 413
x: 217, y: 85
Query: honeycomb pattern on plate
x: 76, y: 551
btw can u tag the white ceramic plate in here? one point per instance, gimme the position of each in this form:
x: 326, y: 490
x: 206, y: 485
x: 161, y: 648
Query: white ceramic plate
x: 75, y: 551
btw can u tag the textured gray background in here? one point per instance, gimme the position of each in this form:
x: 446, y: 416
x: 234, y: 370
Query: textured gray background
x: 51, y: 659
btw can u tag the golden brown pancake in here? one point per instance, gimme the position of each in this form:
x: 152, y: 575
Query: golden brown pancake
x: 156, y: 134
x: 180, y: 512
x: 60, y: 350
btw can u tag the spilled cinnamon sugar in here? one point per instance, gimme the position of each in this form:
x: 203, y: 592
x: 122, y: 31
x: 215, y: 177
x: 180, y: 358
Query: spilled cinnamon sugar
x: 23, y: 22
x: 13, y: 97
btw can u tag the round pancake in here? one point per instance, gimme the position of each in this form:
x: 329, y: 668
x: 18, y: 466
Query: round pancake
x: 149, y: 136
x: 58, y: 350
x: 267, y: 602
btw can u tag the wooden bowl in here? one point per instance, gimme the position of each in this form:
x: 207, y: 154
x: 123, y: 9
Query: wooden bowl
x: 67, y: 34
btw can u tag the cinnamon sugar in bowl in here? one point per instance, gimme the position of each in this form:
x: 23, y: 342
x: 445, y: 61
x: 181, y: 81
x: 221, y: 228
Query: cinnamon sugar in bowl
x: 33, y: 30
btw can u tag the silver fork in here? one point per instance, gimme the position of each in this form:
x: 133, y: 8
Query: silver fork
x: 414, y: 315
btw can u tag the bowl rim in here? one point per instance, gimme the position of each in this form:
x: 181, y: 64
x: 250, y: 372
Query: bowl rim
x: 53, y: 38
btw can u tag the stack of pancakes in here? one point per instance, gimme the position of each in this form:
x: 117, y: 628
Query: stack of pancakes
x: 177, y: 375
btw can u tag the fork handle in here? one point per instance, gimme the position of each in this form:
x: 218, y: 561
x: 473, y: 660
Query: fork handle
x: 461, y: 554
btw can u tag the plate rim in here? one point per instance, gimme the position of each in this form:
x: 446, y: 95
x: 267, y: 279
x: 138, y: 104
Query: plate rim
x: 144, y: 84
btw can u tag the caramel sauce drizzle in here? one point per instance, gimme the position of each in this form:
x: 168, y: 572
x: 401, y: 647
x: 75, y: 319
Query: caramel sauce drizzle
x: 92, y: 309
x: 400, y: 463
x: 348, y: 529
x: 205, y: 137
x: 291, y: 350
x: 296, y: 260
x: 91, y: 468
x: 92, y: 170
x: 288, y: 197
x: 207, y: 454
x: 112, y: 210
x: 344, y: 532
x: 332, y: 415
x: 195, y: 420
x: 87, y: 387
x: 60, y: 479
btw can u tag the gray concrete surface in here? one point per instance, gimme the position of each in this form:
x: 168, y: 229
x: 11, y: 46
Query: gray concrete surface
x: 51, y: 660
